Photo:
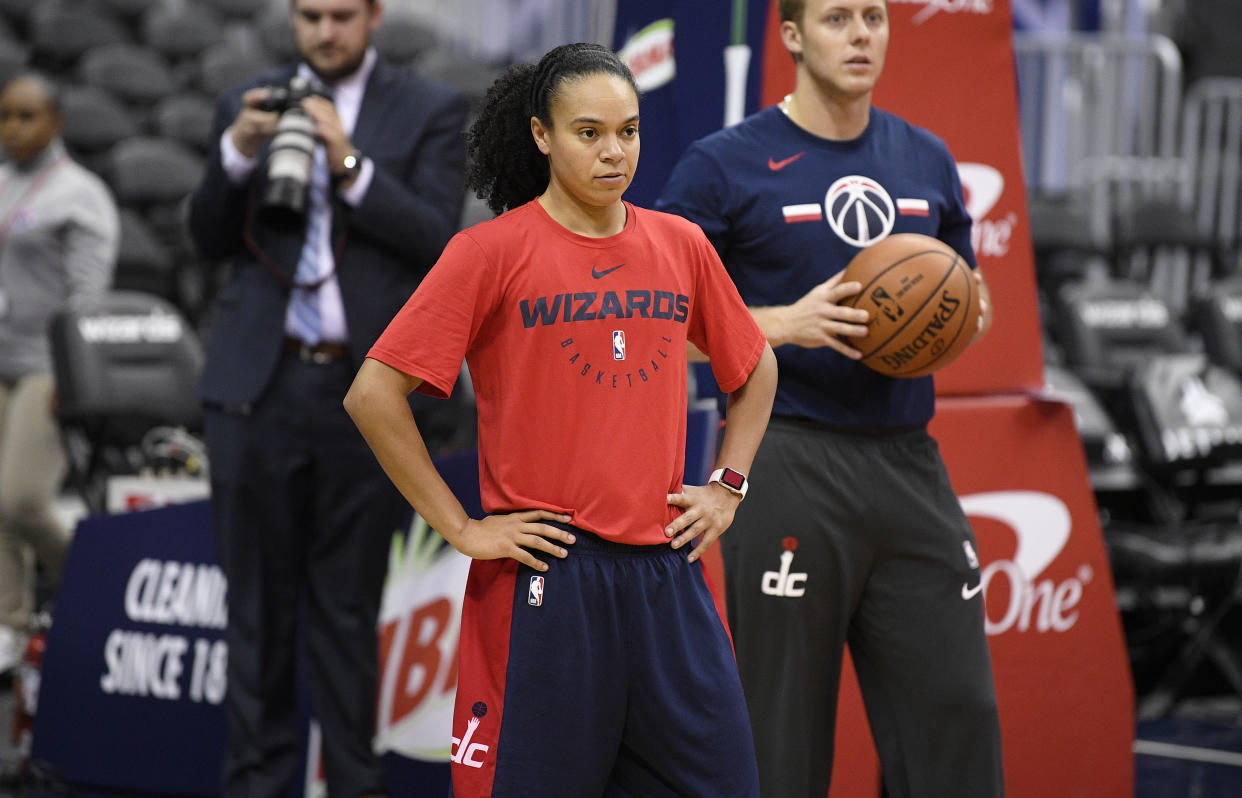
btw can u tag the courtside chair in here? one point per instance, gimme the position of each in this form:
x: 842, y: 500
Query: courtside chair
x: 1218, y: 317
x: 126, y: 365
x: 1159, y: 243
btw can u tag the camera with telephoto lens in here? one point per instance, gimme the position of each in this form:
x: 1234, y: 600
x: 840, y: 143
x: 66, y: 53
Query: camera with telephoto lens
x: 291, y: 155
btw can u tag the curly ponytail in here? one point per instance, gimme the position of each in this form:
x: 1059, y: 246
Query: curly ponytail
x: 505, y: 167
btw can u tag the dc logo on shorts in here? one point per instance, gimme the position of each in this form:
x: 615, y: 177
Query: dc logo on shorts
x: 785, y: 583
x: 618, y: 344
x: 463, y: 750
x: 859, y: 210
x: 534, y: 596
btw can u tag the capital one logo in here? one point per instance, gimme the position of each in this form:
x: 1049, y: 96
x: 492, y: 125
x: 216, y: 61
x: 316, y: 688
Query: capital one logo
x: 983, y: 186
x: 859, y: 210
x: 1041, y: 523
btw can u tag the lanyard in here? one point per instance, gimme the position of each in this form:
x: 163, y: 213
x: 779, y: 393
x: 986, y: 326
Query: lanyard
x: 25, y: 196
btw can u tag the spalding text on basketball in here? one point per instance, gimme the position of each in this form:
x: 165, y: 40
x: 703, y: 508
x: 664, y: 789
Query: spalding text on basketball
x: 932, y: 335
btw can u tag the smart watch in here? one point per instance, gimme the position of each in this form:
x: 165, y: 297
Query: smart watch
x: 734, y: 481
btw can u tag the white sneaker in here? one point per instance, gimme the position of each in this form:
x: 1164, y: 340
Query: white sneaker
x: 12, y: 644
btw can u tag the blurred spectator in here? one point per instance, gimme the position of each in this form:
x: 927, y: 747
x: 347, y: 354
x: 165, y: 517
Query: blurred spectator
x: 59, y: 236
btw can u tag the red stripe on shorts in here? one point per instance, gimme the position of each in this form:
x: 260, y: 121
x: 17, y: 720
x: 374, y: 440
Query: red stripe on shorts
x: 486, y: 619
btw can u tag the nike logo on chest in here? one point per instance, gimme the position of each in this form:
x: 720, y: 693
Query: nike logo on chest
x: 776, y: 165
x: 598, y: 273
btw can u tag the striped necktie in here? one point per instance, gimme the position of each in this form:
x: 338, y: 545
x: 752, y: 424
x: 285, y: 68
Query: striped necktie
x: 305, y: 319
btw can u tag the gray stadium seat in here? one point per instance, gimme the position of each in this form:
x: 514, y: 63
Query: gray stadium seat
x: 227, y: 64
x: 135, y: 73
x: 128, y: 9
x: 14, y: 57
x: 186, y: 118
x: 148, y: 170
x: 276, y: 33
x: 143, y: 262
x: 1160, y: 243
x: 94, y: 120
x: 236, y: 9
x: 62, y: 35
x: 403, y: 39
x: 469, y: 76
x: 1218, y: 318
x: 181, y: 31
x: 17, y: 11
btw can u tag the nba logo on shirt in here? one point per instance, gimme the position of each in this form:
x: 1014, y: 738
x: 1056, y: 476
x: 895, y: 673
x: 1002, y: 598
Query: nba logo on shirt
x: 618, y: 344
x: 534, y: 596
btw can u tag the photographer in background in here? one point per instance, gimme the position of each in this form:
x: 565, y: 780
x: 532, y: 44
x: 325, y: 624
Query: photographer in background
x: 303, y: 514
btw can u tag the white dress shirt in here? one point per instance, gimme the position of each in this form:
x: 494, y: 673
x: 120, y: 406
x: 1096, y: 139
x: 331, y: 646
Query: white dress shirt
x: 347, y: 97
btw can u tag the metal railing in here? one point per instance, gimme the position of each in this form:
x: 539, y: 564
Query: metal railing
x: 1099, y: 116
x: 1212, y: 150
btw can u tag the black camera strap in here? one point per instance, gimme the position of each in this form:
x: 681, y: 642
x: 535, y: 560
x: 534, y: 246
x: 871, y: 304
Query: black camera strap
x: 261, y: 255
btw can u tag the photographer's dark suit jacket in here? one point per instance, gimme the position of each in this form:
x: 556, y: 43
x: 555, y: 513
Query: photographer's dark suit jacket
x: 412, y: 129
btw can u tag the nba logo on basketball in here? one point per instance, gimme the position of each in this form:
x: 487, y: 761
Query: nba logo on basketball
x: 534, y: 596
x: 618, y: 344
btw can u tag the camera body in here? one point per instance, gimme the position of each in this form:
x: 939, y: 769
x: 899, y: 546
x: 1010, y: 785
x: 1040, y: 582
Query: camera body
x: 291, y: 155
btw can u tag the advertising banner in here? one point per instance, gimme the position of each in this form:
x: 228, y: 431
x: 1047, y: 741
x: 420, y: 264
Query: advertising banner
x: 1058, y: 653
x: 134, y: 674
x: 693, y: 63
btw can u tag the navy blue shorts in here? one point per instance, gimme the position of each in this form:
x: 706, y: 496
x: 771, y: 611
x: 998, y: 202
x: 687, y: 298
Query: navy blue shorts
x: 610, y: 674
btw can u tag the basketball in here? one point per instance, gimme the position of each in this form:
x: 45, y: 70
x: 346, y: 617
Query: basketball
x: 923, y: 301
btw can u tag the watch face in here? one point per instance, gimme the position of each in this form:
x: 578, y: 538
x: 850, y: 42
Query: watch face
x: 351, y: 161
x: 733, y: 479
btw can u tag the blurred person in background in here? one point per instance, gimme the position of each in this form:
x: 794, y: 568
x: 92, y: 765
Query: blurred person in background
x: 59, y: 237
x: 303, y: 514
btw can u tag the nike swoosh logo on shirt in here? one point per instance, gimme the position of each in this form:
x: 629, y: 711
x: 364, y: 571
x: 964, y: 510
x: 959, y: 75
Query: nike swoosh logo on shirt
x: 776, y: 166
x: 969, y: 592
x: 596, y: 273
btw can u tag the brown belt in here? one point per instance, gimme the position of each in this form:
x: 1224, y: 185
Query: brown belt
x: 320, y: 353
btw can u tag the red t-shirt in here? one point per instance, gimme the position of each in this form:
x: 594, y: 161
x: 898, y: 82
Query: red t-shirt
x: 576, y: 348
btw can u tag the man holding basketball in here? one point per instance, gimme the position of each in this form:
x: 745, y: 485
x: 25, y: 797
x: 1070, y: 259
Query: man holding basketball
x: 854, y: 533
